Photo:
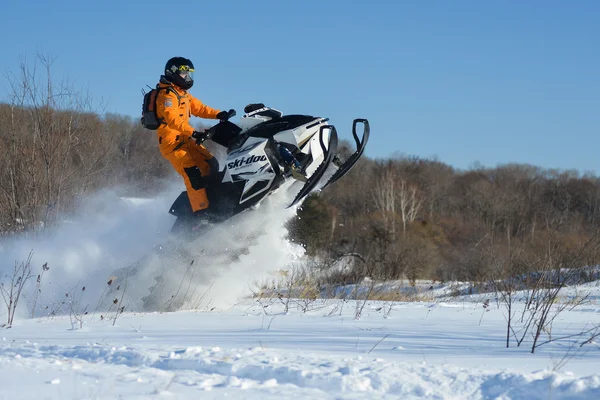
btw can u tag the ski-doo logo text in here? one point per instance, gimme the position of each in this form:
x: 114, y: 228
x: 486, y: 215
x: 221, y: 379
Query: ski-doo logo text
x: 246, y: 161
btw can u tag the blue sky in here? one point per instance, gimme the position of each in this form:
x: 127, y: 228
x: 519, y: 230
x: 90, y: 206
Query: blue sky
x: 463, y: 81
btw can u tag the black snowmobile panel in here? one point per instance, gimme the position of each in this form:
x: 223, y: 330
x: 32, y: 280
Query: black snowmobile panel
x: 268, y: 129
x: 226, y: 200
x: 181, y: 206
x: 225, y: 133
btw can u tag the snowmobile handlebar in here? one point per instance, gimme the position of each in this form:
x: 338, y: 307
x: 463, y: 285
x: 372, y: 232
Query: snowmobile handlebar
x: 210, y: 132
x: 222, y: 133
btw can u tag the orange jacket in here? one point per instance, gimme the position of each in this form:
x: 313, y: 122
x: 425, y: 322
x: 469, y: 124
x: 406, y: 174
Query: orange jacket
x: 175, y: 106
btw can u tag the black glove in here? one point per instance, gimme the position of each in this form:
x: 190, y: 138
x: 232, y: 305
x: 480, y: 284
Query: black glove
x: 200, y: 136
x: 224, y: 115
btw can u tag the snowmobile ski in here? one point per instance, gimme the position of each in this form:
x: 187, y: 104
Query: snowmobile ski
x: 329, y: 152
x: 360, y: 148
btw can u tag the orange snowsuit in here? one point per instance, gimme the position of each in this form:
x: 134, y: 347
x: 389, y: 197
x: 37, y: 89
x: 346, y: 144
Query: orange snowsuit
x: 175, y: 106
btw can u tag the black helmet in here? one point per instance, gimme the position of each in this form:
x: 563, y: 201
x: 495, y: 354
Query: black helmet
x: 180, y: 71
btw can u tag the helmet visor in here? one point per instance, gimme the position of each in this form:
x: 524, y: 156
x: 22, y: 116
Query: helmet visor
x: 186, y: 73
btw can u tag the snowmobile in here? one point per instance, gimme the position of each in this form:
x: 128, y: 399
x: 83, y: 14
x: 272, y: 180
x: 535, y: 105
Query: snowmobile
x: 266, y: 151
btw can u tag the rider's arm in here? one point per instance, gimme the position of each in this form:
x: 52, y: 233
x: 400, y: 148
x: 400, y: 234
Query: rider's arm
x: 201, y: 110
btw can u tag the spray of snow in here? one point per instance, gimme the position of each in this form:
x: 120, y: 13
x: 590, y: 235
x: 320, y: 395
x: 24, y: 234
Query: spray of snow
x: 110, y: 234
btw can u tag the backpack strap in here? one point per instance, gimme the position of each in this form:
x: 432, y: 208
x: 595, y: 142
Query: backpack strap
x: 169, y: 89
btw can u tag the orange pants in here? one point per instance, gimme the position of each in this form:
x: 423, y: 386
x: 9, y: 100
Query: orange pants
x: 190, y: 162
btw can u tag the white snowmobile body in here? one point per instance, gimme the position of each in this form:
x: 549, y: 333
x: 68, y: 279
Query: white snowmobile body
x: 258, y: 162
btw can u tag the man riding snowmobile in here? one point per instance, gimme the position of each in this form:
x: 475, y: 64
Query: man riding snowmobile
x: 178, y: 141
x: 268, y: 151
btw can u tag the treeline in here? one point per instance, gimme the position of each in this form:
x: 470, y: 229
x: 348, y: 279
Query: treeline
x: 407, y: 217
x: 53, y: 159
x: 392, y: 218
x: 56, y: 149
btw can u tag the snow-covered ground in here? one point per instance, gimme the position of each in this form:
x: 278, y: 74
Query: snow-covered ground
x: 233, y: 346
x: 421, y: 350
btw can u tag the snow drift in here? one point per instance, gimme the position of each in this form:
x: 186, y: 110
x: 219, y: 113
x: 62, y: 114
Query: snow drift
x: 110, y: 234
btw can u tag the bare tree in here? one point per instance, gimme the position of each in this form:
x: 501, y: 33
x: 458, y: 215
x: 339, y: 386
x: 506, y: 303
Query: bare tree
x: 48, y: 127
x: 12, y: 289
